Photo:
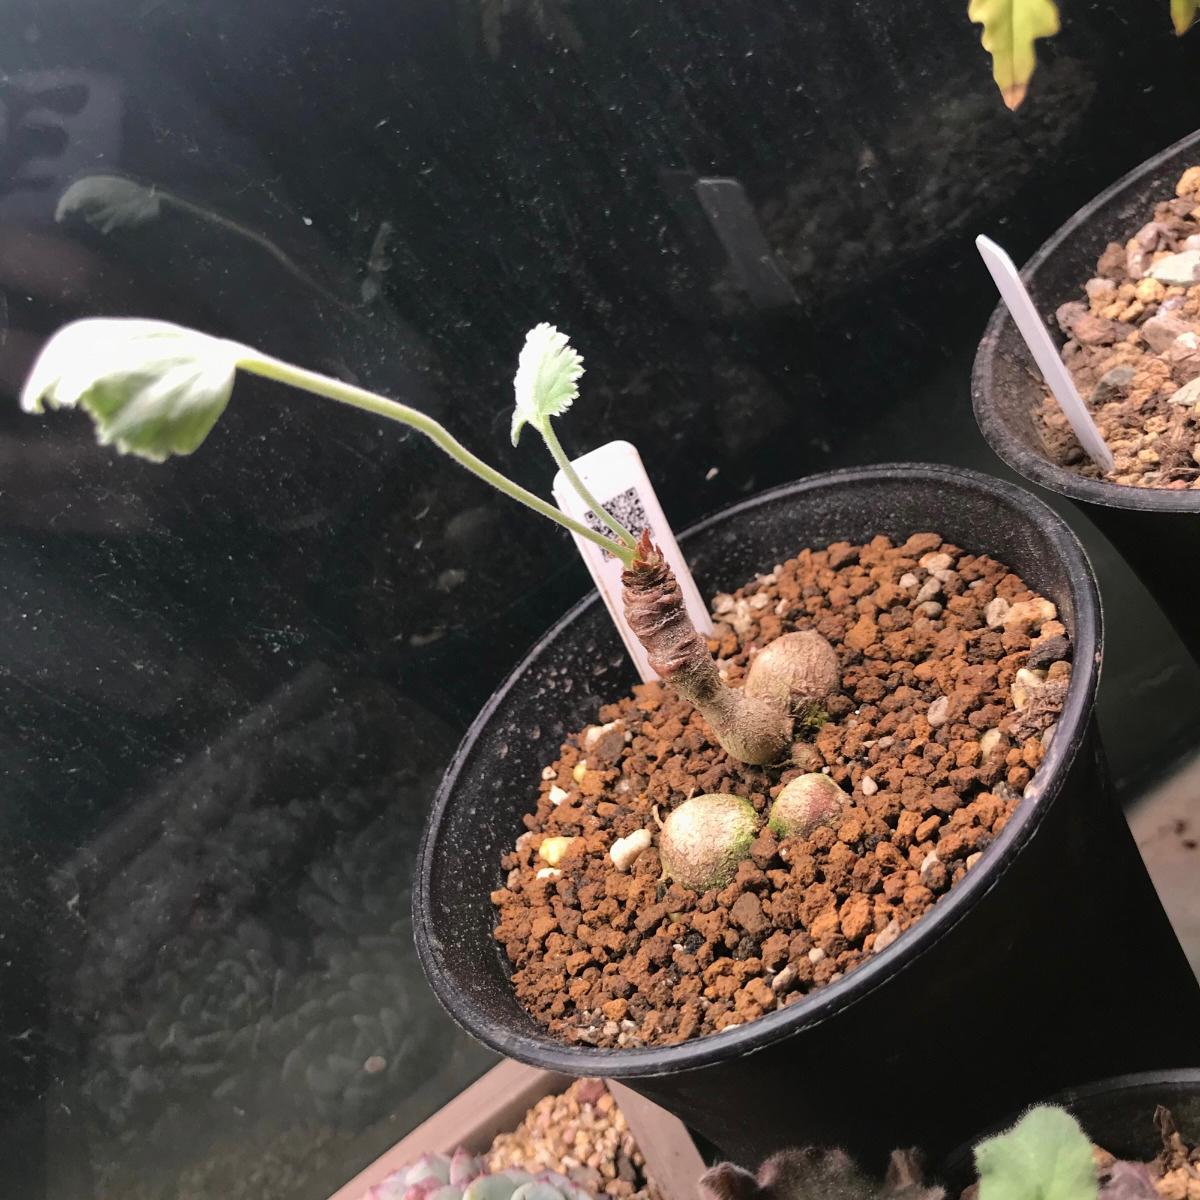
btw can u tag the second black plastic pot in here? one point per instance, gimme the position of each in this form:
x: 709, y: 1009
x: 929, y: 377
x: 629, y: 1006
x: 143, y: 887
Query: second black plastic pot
x: 1117, y: 1114
x: 1156, y: 531
x: 1016, y: 983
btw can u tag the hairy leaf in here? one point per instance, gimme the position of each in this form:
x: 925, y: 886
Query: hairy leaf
x: 1183, y: 13
x: 818, y: 1175
x: 1045, y: 1156
x: 1010, y: 27
x: 547, y: 380
x: 151, y: 388
x: 108, y: 202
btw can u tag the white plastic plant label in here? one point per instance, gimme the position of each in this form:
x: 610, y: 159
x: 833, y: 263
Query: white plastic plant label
x: 614, y: 474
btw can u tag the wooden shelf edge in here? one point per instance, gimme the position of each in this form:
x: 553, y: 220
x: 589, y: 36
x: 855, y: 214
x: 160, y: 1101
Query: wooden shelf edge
x: 672, y: 1160
x: 497, y: 1102
x: 492, y: 1104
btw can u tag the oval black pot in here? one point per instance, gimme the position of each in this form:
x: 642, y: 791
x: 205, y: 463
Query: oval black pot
x: 1013, y: 981
x: 1156, y: 531
x: 1117, y: 1114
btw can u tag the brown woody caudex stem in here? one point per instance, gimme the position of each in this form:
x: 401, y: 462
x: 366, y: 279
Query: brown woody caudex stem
x: 753, y: 729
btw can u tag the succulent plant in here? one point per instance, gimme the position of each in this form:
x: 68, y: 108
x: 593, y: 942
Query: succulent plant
x: 797, y: 670
x: 1045, y: 1156
x: 818, y: 1175
x: 358, y: 1040
x: 231, y: 827
x: 705, y: 838
x: 461, y: 1176
x: 1048, y: 1156
x: 248, y: 960
x: 806, y: 802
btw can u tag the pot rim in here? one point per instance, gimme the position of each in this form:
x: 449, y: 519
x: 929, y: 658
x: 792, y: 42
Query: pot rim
x: 1011, y: 449
x: 540, y: 1048
x: 1134, y: 1082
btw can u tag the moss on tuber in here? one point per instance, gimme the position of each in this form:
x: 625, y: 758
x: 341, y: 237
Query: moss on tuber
x: 704, y: 839
x: 805, y: 803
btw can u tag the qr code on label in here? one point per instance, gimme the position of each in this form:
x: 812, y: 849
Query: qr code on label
x: 626, y: 507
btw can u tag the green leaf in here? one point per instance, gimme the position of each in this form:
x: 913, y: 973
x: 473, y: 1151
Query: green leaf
x: 547, y: 379
x: 1010, y: 27
x: 537, y: 1190
x: 490, y: 1187
x: 1045, y: 1156
x: 1183, y: 13
x: 151, y: 388
x: 108, y: 202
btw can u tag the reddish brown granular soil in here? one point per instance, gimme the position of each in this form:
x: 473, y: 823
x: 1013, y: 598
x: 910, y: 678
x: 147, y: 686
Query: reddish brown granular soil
x: 1133, y: 350
x: 926, y: 736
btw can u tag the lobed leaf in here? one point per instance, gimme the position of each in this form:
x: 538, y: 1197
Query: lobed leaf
x: 151, y: 388
x: 108, y: 202
x: 1045, y: 1156
x: 1010, y: 28
x: 547, y: 379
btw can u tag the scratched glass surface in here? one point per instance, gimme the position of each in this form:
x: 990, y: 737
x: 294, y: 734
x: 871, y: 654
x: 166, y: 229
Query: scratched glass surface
x: 230, y: 684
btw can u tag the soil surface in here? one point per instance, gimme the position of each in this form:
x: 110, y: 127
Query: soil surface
x: 583, y: 1135
x: 953, y: 673
x: 1133, y: 347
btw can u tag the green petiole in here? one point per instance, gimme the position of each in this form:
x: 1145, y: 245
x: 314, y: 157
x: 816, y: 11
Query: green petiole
x: 347, y: 393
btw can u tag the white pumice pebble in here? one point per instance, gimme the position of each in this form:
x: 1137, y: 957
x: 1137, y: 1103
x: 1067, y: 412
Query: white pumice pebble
x: 624, y: 851
x: 553, y: 849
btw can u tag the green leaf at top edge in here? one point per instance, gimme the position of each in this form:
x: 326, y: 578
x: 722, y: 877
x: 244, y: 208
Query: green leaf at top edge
x: 1183, y: 14
x: 1010, y: 28
x: 1045, y: 1156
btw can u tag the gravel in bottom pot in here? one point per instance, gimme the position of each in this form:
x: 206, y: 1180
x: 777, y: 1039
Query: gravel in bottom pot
x: 582, y: 1134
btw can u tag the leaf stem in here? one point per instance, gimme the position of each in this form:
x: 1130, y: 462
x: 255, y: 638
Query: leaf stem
x: 564, y: 465
x: 346, y: 393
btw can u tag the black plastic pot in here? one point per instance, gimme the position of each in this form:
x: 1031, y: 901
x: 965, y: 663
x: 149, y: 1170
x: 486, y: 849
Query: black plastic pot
x: 1013, y: 984
x: 1157, y: 531
x: 1117, y: 1114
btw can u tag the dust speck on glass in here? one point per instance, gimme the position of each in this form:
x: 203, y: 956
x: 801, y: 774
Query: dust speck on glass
x: 231, y: 684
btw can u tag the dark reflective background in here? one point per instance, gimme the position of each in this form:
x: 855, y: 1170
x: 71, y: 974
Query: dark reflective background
x: 230, y: 683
